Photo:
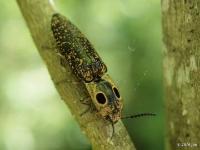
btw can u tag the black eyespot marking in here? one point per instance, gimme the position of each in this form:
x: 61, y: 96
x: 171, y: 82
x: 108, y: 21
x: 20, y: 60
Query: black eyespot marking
x: 116, y: 92
x: 101, y: 98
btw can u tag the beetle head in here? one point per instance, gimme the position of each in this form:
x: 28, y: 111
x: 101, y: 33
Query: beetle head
x: 106, y: 98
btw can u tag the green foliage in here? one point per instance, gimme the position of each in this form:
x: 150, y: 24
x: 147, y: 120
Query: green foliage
x: 126, y: 34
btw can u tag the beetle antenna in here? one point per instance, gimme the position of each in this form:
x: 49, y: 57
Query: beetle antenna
x: 138, y: 115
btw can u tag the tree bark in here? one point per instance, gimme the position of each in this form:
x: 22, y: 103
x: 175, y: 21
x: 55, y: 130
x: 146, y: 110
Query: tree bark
x: 37, y: 14
x: 181, y: 27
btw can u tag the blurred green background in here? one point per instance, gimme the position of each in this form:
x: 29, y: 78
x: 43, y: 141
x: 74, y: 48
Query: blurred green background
x: 126, y: 34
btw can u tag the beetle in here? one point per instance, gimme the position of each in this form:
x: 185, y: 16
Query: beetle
x: 87, y: 65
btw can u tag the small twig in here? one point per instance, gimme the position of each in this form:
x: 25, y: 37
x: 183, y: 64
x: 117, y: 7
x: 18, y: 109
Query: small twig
x: 37, y: 15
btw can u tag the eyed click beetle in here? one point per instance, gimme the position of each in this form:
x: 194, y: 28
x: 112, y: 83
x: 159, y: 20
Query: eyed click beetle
x: 87, y: 65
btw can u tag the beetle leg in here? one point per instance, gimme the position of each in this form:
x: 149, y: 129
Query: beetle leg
x: 65, y: 80
x: 90, y: 105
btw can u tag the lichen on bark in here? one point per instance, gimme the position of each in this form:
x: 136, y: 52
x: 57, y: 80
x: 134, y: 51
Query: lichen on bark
x: 181, y: 21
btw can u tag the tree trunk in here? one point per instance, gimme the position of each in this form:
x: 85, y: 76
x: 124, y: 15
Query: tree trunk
x: 181, y: 27
x: 37, y: 14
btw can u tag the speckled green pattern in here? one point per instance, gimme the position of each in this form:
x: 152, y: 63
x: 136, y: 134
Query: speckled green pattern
x: 77, y: 50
